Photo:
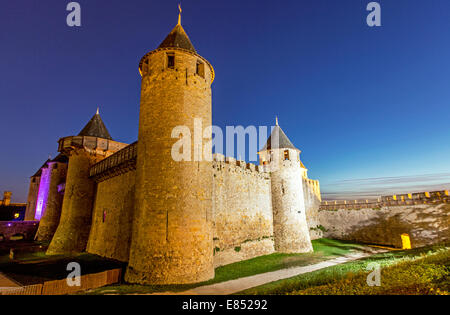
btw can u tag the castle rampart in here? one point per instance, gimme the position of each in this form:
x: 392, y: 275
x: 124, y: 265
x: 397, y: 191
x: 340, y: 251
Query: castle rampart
x: 242, y: 211
x: 386, y: 201
x: 112, y: 217
x: 425, y: 217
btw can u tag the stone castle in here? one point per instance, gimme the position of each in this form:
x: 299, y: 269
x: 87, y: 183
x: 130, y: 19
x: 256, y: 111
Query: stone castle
x: 173, y: 222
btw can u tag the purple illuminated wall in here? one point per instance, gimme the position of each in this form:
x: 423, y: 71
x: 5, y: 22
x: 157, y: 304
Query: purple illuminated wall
x: 44, y: 187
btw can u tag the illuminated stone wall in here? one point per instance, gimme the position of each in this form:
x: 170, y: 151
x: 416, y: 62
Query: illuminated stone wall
x: 242, y: 209
x: 112, y: 217
x: 311, y: 194
x: 426, y: 224
x: 243, y: 225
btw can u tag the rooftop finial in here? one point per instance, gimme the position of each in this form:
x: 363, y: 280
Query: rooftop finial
x: 276, y: 120
x: 179, y: 15
x: 98, y: 110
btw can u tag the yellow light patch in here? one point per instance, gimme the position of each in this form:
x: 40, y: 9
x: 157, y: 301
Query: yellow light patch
x: 406, y: 241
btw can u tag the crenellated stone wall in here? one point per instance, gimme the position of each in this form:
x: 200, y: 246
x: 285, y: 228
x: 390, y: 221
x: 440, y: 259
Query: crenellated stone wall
x: 425, y: 217
x: 311, y: 194
x: 242, y: 208
x: 242, y: 211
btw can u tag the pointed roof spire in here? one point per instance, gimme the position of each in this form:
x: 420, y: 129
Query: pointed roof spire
x: 98, y: 111
x: 96, y: 128
x: 283, y: 141
x: 276, y: 120
x: 178, y: 37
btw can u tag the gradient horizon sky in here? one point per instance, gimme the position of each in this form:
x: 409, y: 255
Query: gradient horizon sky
x: 368, y: 107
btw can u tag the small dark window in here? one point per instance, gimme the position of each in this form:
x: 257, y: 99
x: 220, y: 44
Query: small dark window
x: 171, y: 61
x: 200, y: 69
x: 55, y: 166
x: 286, y: 155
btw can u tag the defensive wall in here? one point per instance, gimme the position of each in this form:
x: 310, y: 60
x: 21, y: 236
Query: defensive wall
x: 242, y: 208
x: 242, y: 211
x: 112, y: 214
x: 425, y: 217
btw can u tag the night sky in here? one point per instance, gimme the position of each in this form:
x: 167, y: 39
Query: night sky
x: 368, y: 107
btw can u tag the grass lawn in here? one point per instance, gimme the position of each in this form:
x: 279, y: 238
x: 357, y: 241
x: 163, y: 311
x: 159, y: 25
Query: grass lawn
x: 418, y: 271
x: 324, y: 249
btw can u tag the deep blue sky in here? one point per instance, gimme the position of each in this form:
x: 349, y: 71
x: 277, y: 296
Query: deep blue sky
x: 359, y: 102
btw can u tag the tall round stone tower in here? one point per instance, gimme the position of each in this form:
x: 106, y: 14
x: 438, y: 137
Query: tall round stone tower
x: 282, y: 158
x: 172, y: 233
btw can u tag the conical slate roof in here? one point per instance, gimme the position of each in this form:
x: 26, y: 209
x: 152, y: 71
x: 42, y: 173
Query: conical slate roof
x: 96, y: 128
x: 178, y: 39
x: 283, y: 140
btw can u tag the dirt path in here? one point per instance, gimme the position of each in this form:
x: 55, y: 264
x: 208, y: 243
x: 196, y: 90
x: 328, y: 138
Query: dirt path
x: 241, y: 284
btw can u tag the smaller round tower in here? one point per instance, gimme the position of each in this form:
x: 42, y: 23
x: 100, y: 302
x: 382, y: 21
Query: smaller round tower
x: 282, y: 159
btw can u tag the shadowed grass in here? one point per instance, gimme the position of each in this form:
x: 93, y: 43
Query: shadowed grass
x: 350, y: 278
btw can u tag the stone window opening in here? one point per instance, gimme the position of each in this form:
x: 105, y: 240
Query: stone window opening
x: 171, y: 61
x: 286, y: 155
x: 200, y: 69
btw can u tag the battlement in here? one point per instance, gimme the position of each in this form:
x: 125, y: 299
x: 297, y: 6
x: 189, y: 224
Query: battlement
x: 220, y: 162
x: 120, y: 162
x: 386, y: 201
x: 92, y: 144
x: 314, y: 186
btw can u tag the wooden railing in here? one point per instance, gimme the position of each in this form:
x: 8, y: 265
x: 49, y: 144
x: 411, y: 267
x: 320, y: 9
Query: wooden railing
x: 124, y: 158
